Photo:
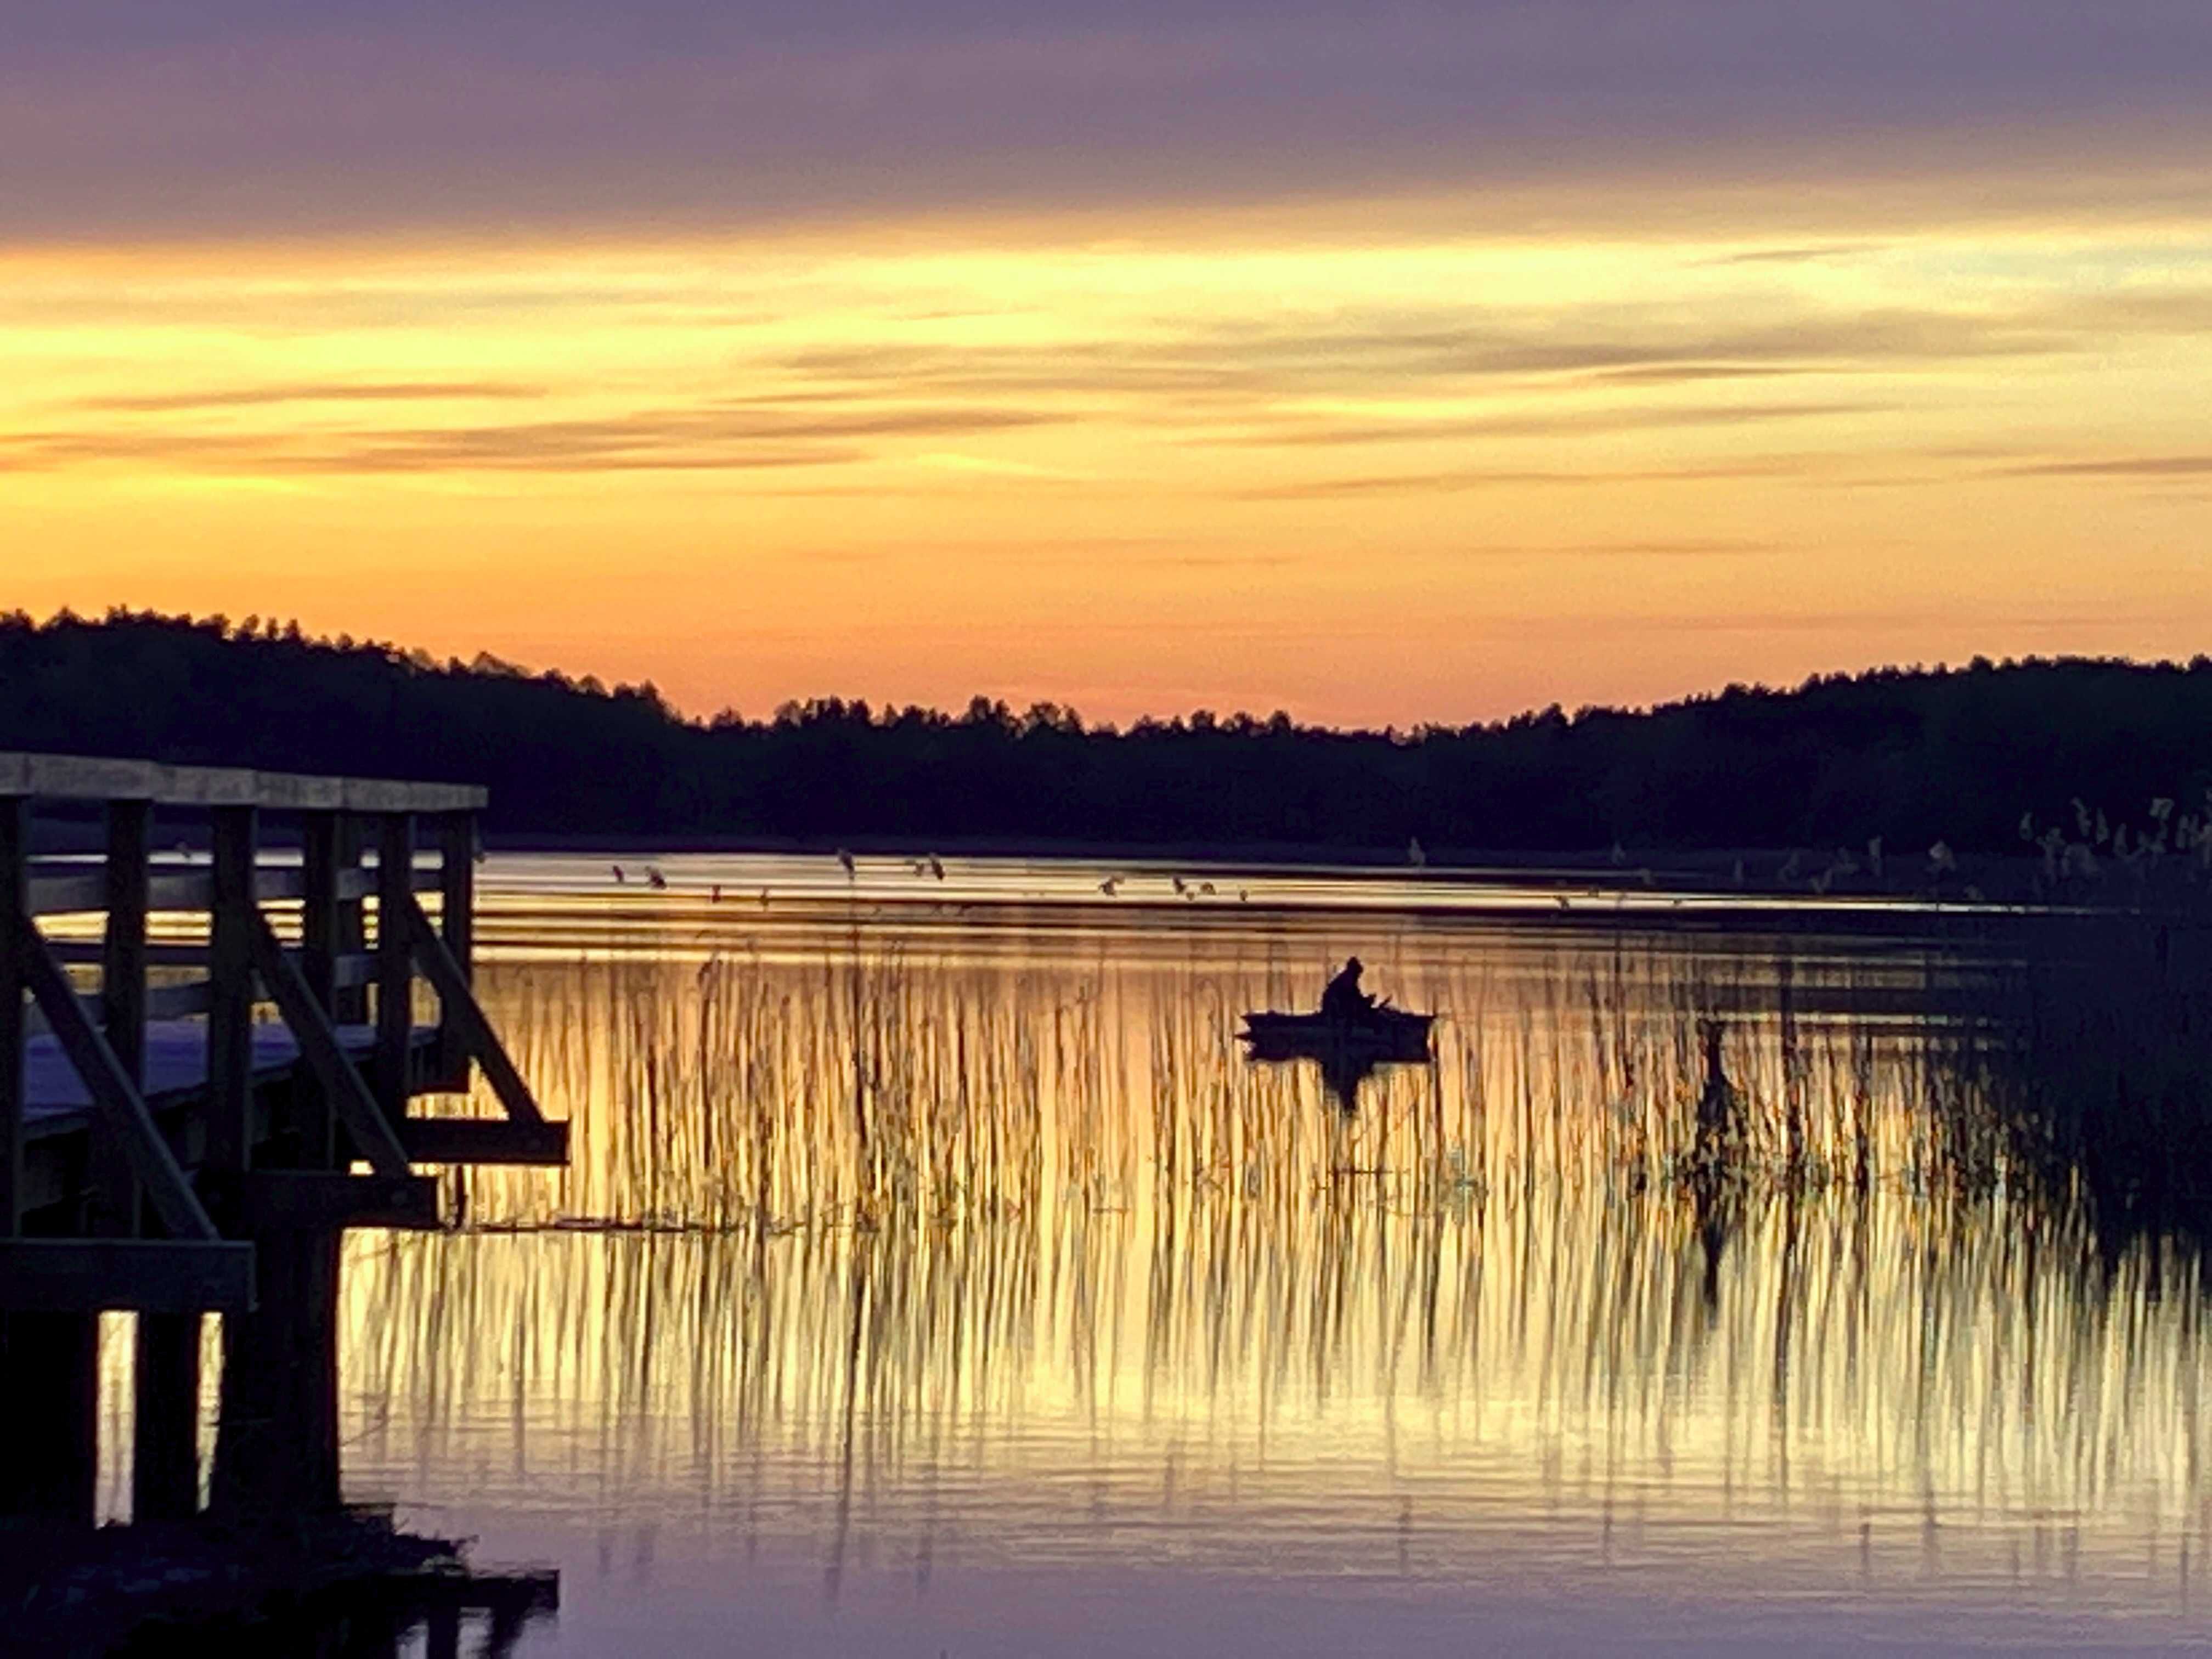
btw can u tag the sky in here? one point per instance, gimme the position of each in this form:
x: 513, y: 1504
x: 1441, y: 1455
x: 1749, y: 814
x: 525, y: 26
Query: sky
x: 1385, y: 364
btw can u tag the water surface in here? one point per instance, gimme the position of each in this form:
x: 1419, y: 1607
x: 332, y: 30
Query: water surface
x: 935, y: 1276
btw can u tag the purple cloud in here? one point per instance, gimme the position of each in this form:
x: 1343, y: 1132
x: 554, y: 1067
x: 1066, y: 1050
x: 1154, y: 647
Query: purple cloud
x: 137, y: 117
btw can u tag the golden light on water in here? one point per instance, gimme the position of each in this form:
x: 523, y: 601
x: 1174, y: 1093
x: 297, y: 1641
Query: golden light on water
x: 986, y: 1245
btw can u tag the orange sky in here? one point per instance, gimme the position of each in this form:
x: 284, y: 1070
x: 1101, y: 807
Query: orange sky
x: 1367, y: 455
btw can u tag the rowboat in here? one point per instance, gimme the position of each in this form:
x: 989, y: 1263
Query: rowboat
x: 1380, y: 1036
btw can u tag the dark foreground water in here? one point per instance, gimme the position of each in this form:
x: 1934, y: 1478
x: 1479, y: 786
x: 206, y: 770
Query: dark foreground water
x: 935, y: 1277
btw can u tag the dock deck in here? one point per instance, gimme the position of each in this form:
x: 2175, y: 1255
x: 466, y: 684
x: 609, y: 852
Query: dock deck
x: 196, y: 1145
x: 57, y: 1100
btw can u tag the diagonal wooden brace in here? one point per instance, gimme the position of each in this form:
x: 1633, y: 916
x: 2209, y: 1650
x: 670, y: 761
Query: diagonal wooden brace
x: 371, y: 1130
x: 120, y: 1105
x: 458, y: 1004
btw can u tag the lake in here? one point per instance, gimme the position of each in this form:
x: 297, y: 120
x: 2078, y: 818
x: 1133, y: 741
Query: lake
x: 935, y: 1275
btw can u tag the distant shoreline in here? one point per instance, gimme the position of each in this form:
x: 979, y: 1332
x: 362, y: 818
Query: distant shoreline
x: 1991, y: 759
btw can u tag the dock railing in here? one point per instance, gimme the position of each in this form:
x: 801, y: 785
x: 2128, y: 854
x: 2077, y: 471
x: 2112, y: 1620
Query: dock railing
x: 160, y: 1139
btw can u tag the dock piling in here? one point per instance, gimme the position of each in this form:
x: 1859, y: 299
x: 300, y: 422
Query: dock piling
x: 162, y: 1151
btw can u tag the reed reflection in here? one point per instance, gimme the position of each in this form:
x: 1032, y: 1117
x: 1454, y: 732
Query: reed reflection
x: 902, y: 1255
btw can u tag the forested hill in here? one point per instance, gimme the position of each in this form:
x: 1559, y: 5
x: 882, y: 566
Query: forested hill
x: 1910, y: 756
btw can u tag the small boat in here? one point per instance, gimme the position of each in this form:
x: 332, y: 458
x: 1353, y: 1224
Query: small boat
x: 1380, y: 1035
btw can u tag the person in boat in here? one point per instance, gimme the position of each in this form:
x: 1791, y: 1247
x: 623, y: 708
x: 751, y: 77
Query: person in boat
x: 1343, y: 999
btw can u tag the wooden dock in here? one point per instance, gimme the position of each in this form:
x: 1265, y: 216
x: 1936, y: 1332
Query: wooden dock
x: 187, y: 1128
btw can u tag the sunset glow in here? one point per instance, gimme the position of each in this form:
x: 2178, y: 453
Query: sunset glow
x: 1543, y: 430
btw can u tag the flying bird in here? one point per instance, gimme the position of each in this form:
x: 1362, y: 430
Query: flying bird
x: 619, y: 876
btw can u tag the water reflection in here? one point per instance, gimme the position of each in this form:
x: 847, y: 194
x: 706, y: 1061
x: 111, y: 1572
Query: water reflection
x: 907, y: 1251
x: 438, y: 1616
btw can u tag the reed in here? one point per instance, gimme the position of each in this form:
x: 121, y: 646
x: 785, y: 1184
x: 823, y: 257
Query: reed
x: 876, y: 1085
x: 2090, y: 1059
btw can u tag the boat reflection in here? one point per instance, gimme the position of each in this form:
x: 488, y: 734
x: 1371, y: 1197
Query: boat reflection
x: 1349, y: 1045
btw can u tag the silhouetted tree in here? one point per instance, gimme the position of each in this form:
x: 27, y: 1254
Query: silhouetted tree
x: 1909, y: 755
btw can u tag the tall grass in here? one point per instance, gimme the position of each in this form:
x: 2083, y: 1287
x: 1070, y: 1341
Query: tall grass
x: 878, y: 1086
x: 872, y: 1238
x: 2091, y: 1059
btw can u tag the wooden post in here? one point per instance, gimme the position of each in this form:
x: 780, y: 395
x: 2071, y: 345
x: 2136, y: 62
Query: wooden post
x: 277, y: 1436
x: 49, y: 1375
x: 457, y: 887
x: 123, y: 1003
x: 442, y: 1637
x: 14, y: 914
x: 348, y: 1003
x: 319, y: 1255
x: 395, y: 959
x: 165, y: 1459
x: 319, y: 927
x: 260, y: 1474
x: 49, y: 1362
x: 123, y: 955
x: 50, y: 1393
x: 230, y: 1011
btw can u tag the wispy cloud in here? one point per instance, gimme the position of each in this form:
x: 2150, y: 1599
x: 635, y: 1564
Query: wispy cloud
x: 2116, y: 467
x: 1361, y: 351
x: 1796, y: 256
x: 1563, y: 423
x: 1459, y: 480
x: 1691, y: 373
x: 698, y: 439
x: 314, y: 392
x: 1684, y: 548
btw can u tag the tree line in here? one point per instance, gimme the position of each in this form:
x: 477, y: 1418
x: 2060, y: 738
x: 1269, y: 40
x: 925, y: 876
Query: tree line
x: 1960, y: 755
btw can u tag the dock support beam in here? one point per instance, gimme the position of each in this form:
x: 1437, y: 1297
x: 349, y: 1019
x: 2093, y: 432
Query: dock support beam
x: 14, y: 914
x: 457, y: 903
x: 49, y: 1362
x: 322, y: 843
x: 230, y: 974
x: 165, y: 1483
x: 165, y: 1459
x: 276, y: 1444
x: 123, y: 1004
x: 395, y: 962
x: 98, y: 1211
x: 50, y: 1396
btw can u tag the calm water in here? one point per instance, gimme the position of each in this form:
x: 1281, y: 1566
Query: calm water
x: 935, y: 1276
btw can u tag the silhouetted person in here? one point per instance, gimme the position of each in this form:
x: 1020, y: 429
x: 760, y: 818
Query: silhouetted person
x: 1343, y: 999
